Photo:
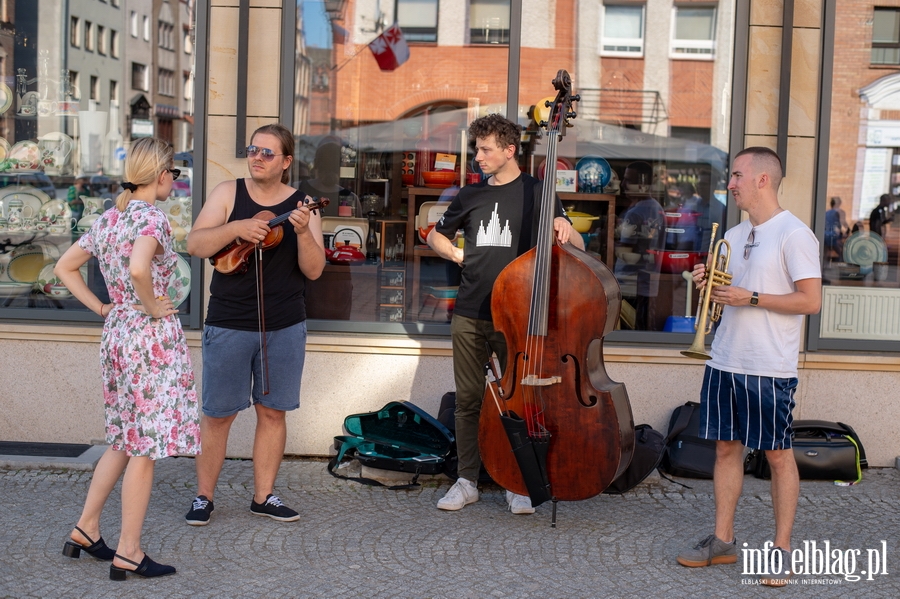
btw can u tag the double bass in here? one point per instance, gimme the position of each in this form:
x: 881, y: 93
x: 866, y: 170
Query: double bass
x: 555, y: 426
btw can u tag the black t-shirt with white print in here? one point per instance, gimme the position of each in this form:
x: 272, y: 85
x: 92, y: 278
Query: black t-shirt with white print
x: 500, y: 224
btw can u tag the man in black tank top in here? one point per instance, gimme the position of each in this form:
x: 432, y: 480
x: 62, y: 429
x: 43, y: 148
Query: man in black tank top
x: 498, y: 217
x: 235, y: 373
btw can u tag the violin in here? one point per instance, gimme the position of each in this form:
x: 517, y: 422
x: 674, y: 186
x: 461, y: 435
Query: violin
x: 234, y: 257
x: 554, y: 426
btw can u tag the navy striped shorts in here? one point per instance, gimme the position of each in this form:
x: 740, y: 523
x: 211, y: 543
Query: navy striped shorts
x: 755, y: 410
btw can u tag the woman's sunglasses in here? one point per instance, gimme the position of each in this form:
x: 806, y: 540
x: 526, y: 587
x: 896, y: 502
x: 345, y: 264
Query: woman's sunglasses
x: 176, y: 172
x: 264, y: 153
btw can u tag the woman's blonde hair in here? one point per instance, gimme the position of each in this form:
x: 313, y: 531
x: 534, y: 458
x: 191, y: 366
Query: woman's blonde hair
x: 147, y: 158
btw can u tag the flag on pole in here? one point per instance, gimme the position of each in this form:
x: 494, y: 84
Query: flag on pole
x: 390, y: 48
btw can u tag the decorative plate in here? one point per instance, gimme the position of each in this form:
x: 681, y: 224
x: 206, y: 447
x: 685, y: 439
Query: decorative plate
x: 4, y: 149
x: 25, y: 155
x: 562, y: 164
x: 54, y: 209
x: 27, y: 263
x: 30, y: 196
x: 180, y: 281
x: 594, y: 173
x: 6, y: 98
x: 865, y: 248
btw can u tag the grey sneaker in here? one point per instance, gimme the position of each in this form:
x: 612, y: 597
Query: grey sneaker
x: 461, y: 494
x: 707, y: 552
x: 519, y: 504
x: 784, y: 569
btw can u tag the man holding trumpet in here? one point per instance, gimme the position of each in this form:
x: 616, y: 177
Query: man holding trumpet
x: 748, y: 386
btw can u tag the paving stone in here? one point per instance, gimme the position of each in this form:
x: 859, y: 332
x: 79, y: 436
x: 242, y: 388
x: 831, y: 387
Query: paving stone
x: 356, y: 541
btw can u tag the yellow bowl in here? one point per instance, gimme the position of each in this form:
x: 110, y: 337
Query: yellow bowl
x: 581, y: 220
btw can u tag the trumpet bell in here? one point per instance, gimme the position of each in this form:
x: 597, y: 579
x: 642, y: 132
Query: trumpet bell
x: 696, y: 352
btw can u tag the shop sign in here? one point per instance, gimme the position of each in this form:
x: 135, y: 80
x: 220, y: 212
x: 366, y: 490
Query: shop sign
x: 141, y: 128
x: 883, y: 134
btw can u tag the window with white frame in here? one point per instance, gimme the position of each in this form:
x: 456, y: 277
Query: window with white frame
x: 418, y: 19
x: 489, y: 21
x: 693, y: 32
x: 95, y: 88
x: 113, y: 92
x: 188, y: 42
x: 188, y: 83
x: 113, y: 43
x: 146, y: 28
x: 134, y: 24
x: 165, y: 80
x: 623, y: 31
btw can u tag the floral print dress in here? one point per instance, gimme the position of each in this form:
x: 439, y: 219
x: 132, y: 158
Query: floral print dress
x: 151, y: 401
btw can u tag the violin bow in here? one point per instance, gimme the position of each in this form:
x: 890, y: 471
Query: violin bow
x: 261, y: 316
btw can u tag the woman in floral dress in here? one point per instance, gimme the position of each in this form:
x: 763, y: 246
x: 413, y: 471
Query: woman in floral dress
x: 148, y: 383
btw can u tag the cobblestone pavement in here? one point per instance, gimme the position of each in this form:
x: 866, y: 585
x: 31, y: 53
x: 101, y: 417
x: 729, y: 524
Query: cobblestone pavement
x: 356, y: 541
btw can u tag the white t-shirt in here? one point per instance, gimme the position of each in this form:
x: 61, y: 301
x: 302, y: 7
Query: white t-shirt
x: 753, y: 340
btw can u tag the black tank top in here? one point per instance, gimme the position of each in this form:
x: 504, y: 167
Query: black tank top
x: 232, y: 302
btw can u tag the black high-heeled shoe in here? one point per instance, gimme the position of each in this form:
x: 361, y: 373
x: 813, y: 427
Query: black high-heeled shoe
x: 97, y: 549
x: 147, y: 568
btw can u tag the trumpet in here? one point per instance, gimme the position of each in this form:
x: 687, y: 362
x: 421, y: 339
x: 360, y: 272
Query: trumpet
x: 710, y: 311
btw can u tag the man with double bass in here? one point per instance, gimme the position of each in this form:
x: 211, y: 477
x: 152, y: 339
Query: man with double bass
x: 234, y: 367
x: 748, y: 386
x: 499, y: 216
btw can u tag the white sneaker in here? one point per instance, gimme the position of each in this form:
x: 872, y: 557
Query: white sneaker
x: 519, y: 504
x: 461, y: 494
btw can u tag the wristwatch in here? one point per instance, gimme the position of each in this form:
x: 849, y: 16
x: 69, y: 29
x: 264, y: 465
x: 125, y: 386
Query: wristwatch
x: 754, y: 299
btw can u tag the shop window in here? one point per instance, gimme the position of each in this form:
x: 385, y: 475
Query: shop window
x: 886, y: 36
x: 489, y: 21
x: 75, y: 32
x: 139, y: 77
x: 88, y: 36
x: 623, y: 31
x: 418, y: 19
x: 63, y: 141
x: 693, y: 32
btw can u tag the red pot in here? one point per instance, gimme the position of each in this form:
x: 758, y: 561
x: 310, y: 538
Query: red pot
x: 346, y: 254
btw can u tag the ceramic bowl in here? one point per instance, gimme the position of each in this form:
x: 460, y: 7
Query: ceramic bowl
x: 58, y: 291
x: 582, y: 221
x: 631, y: 258
x: 442, y: 178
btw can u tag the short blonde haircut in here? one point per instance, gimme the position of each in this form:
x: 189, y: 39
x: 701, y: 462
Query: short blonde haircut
x: 147, y: 158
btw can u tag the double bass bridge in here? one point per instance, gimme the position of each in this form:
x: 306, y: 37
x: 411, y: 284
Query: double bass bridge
x: 532, y: 380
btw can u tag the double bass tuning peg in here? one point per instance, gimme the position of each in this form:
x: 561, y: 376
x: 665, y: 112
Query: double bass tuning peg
x: 575, y: 98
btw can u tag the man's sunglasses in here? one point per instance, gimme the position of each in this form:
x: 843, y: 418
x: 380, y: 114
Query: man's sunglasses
x: 176, y: 172
x: 264, y: 153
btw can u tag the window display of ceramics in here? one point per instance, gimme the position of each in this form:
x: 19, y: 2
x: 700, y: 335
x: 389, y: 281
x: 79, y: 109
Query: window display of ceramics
x: 865, y: 248
x: 56, y: 211
x: 30, y: 196
x: 180, y: 281
x: 25, y: 155
x: 49, y: 284
x: 86, y: 221
x: 56, y: 149
x: 27, y: 261
x: 93, y: 205
x: 594, y: 173
x: 6, y: 98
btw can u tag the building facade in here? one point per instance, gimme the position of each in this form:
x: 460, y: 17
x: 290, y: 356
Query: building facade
x: 668, y: 89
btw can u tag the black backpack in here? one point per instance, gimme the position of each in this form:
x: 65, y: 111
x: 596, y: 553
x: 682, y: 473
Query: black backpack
x: 686, y: 454
x: 649, y: 446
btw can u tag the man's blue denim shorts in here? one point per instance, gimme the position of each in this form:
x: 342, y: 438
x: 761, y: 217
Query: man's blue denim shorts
x: 232, y: 369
